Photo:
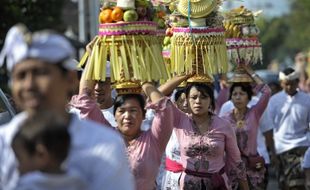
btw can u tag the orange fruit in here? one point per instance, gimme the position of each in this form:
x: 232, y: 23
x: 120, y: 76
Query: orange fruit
x: 105, y: 16
x: 117, y: 14
x: 161, y: 14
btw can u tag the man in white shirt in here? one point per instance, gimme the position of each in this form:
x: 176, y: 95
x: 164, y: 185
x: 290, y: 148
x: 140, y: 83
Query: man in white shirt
x: 289, y: 111
x: 42, y: 77
x: 103, y: 96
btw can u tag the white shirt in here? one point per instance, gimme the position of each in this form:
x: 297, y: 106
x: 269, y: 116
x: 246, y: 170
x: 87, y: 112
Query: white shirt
x: 261, y: 145
x: 148, y: 120
x: 97, y: 153
x: 173, y: 148
x: 109, y: 116
x: 39, y: 181
x: 290, y: 118
x: 306, y: 162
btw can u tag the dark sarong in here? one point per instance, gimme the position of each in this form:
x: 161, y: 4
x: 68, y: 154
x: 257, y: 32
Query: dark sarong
x: 290, y: 173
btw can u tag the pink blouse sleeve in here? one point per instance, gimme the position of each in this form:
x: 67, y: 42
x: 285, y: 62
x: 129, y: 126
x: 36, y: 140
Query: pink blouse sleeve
x: 261, y: 105
x: 89, y: 109
x: 234, y: 166
x: 163, y: 121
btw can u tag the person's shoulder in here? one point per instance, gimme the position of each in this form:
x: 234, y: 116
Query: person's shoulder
x: 30, y: 180
x: 304, y: 94
x: 278, y: 96
x: 92, y: 131
x: 39, y: 180
x: 8, y: 130
x: 304, y: 99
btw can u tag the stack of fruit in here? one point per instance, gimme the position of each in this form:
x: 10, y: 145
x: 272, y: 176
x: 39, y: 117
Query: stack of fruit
x: 242, y: 37
x: 197, y: 39
x: 140, y: 10
x: 127, y: 38
x: 160, y: 14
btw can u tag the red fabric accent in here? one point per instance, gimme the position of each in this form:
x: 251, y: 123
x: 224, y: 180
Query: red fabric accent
x: 173, y: 166
x: 218, y: 182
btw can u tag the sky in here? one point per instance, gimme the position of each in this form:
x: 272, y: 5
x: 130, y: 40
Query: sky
x: 270, y: 8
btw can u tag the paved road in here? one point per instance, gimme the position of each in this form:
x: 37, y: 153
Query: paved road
x: 273, y: 184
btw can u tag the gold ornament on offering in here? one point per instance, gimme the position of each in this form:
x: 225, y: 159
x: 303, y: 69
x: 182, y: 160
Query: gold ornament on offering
x: 201, y: 79
x: 127, y: 87
x: 183, y: 84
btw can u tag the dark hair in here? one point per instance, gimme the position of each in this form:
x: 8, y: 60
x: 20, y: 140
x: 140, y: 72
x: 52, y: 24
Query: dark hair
x: 204, y: 89
x: 121, y: 99
x: 246, y: 87
x: 178, y: 93
x: 46, y: 129
x: 288, y: 71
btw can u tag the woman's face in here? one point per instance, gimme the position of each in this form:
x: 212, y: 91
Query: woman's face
x: 198, y: 102
x: 239, y: 97
x: 129, y: 117
x: 182, y: 103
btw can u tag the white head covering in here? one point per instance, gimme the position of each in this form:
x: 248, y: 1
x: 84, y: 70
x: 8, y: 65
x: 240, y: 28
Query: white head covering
x: 48, y: 46
x: 292, y: 76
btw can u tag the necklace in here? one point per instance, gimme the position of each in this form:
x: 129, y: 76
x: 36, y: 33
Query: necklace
x: 240, y: 121
x: 240, y: 124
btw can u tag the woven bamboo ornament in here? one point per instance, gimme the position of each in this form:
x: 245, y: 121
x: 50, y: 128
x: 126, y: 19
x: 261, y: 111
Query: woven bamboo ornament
x: 133, y: 50
x: 200, y: 50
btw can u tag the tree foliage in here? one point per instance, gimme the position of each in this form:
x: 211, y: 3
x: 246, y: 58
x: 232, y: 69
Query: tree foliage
x: 35, y: 14
x: 284, y: 36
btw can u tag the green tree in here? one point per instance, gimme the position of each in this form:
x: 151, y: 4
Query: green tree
x: 298, y: 37
x: 283, y: 37
x: 35, y: 14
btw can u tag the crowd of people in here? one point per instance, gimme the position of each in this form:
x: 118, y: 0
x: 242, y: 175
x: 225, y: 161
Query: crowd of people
x: 201, y: 139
